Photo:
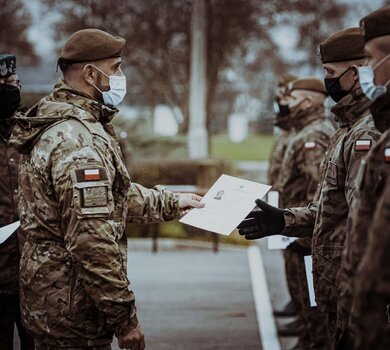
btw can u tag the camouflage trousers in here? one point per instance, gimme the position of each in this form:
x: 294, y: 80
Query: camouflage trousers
x: 39, y: 345
x: 9, y: 316
x: 314, y: 334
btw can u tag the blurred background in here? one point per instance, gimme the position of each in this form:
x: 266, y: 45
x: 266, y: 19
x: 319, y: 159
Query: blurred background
x: 248, y: 44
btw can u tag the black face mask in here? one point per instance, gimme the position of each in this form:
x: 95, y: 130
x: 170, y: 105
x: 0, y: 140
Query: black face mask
x: 334, y: 89
x: 380, y: 110
x: 9, y: 100
x: 281, y: 110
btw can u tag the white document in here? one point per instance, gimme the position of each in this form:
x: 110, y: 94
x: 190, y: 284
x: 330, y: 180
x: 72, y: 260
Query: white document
x: 277, y: 241
x: 309, y: 278
x: 227, y: 203
x: 7, y: 231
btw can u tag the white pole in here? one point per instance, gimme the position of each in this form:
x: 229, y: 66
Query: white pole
x: 197, y: 133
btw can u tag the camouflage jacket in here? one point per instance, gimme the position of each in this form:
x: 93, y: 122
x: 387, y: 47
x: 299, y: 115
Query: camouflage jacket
x: 369, y: 223
x: 75, y: 199
x: 299, y: 175
x: 10, y: 249
x: 276, y: 157
x: 330, y: 214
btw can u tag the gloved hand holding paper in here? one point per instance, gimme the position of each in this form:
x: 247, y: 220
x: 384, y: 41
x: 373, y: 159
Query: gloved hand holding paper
x: 227, y: 203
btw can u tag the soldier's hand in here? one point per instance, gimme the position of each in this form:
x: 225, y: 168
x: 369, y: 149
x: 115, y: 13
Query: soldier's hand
x: 188, y: 201
x: 263, y: 221
x: 133, y: 340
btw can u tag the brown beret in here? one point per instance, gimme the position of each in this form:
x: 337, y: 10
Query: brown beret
x: 310, y: 84
x: 284, y: 79
x: 376, y: 24
x: 91, y: 45
x: 7, y: 65
x: 345, y: 45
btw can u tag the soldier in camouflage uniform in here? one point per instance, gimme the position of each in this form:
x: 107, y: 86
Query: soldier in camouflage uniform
x: 298, y: 182
x: 10, y: 249
x: 366, y: 262
x: 326, y: 219
x: 75, y: 199
x: 282, y: 121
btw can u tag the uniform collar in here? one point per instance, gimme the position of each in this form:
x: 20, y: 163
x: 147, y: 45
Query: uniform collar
x: 101, y: 112
x: 352, y: 107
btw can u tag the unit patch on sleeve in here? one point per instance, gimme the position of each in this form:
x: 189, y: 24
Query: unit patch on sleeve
x: 387, y: 155
x: 94, y: 196
x: 310, y: 145
x: 362, y: 145
x: 91, y: 174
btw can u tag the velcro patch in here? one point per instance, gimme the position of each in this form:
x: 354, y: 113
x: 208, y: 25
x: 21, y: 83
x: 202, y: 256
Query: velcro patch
x: 362, y: 145
x: 387, y: 155
x: 91, y: 174
x: 94, y: 196
x: 310, y: 145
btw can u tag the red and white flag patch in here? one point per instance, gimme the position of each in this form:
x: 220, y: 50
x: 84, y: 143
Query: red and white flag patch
x: 91, y: 174
x: 310, y: 145
x: 362, y: 145
x: 387, y: 155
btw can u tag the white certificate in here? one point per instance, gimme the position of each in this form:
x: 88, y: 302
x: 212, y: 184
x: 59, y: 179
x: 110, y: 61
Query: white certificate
x: 309, y: 278
x: 7, y: 231
x: 227, y: 203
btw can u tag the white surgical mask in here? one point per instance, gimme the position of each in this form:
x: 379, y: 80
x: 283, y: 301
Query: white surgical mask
x: 117, y: 92
x: 367, y: 83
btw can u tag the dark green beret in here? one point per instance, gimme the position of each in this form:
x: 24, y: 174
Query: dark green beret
x: 345, y: 45
x: 7, y: 65
x: 91, y: 45
x: 376, y: 24
x: 284, y: 79
x: 310, y: 84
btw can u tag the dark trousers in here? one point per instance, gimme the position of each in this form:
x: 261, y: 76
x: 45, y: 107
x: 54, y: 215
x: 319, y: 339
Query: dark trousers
x: 9, y: 316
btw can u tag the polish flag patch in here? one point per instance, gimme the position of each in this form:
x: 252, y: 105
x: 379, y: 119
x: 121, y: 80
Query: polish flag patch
x: 362, y: 145
x: 310, y: 145
x: 91, y: 174
x: 387, y: 155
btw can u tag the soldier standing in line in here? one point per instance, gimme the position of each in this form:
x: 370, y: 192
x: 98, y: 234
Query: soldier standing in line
x: 75, y: 199
x: 282, y: 121
x: 369, y: 221
x: 297, y: 185
x: 326, y: 219
x: 11, y: 248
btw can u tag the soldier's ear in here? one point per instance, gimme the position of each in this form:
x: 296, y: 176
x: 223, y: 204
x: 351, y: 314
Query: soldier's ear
x: 89, y: 74
x: 355, y: 72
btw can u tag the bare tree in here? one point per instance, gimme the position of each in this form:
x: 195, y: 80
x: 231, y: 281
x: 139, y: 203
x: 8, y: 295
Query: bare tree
x: 15, y: 22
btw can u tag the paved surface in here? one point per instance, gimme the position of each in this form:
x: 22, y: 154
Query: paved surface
x: 195, y: 300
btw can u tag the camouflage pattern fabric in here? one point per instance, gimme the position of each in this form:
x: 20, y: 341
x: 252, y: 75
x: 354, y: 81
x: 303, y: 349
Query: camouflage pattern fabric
x: 297, y: 185
x: 75, y: 199
x: 299, y: 176
x: 276, y: 156
x: 370, y: 311
x: 10, y: 249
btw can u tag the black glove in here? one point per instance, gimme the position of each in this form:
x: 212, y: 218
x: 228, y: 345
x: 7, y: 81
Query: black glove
x: 262, y: 222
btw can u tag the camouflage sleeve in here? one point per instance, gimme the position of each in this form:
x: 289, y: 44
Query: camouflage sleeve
x: 372, y: 281
x: 300, y: 221
x: 155, y: 205
x: 83, y: 188
x: 311, y: 154
x: 355, y: 148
